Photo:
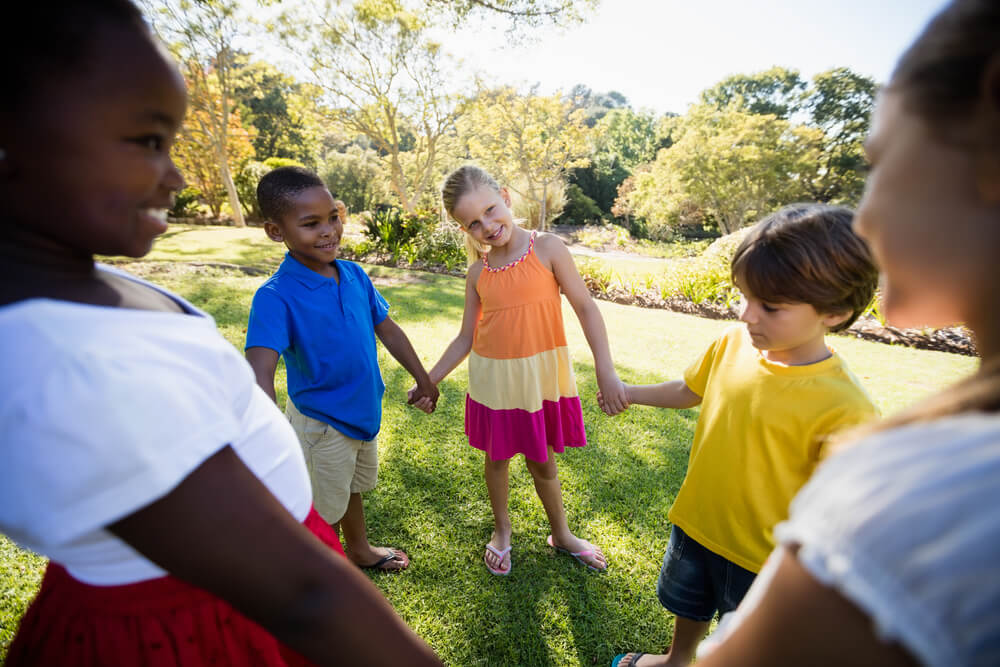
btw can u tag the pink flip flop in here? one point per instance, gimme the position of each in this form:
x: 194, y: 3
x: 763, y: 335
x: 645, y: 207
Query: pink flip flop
x: 500, y: 554
x: 578, y: 555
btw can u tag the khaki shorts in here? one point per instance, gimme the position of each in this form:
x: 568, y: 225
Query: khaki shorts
x: 338, y: 465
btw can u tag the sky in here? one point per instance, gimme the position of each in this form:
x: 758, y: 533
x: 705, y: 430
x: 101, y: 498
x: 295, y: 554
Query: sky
x: 661, y: 54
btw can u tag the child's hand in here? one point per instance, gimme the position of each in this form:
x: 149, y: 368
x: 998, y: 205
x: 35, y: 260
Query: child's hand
x: 423, y: 398
x: 612, y: 397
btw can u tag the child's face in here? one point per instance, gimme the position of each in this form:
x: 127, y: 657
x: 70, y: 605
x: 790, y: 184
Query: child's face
x: 311, y: 228
x: 485, y: 214
x: 790, y: 333
x: 926, y: 223
x: 90, y: 151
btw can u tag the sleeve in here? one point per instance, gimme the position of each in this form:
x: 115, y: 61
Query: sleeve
x: 377, y: 303
x: 268, y: 323
x: 853, y: 409
x: 96, y: 439
x: 696, y: 375
x: 902, y: 525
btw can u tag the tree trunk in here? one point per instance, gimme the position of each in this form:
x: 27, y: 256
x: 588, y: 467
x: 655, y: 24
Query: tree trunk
x: 234, y: 199
x: 541, y: 208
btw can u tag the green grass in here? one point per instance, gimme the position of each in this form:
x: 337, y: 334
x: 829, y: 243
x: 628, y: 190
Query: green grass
x: 431, y: 498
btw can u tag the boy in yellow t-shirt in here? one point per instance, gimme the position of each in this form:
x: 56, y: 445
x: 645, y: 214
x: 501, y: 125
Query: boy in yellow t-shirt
x: 772, y: 393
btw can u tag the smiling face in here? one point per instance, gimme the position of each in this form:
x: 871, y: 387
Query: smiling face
x: 311, y: 228
x: 88, y: 152
x: 928, y: 216
x: 485, y: 214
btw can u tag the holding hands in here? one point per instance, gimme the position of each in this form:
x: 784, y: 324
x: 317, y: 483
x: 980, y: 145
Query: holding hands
x: 423, y: 397
x: 611, y: 394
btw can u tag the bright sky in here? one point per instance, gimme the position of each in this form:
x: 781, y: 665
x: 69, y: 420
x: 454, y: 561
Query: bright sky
x: 661, y: 53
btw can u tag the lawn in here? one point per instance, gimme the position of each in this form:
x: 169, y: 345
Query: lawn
x: 431, y: 499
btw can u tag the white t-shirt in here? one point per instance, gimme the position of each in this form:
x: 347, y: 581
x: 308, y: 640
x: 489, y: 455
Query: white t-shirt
x: 905, y: 526
x: 104, y: 410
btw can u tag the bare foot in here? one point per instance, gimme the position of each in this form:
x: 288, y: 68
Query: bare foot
x: 643, y: 660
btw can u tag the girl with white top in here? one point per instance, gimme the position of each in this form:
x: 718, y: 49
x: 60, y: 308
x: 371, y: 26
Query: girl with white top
x: 138, y: 453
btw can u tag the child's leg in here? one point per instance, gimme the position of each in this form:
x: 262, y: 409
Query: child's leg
x: 546, y: 477
x: 497, y: 485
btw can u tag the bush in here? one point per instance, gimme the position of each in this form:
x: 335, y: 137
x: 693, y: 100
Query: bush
x: 395, y: 232
x: 354, y: 176
x: 186, y: 203
x: 580, y: 209
x: 530, y: 210
x: 442, y: 244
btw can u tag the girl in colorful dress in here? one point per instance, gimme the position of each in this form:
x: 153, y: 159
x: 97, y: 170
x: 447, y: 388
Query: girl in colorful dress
x: 138, y: 453
x: 522, y: 396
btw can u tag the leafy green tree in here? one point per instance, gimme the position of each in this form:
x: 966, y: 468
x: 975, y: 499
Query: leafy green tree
x: 840, y: 103
x: 530, y: 142
x: 777, y: 91
x: 355, y: 176
x: 282, y: 110
x: 730, y: 165
x: 201, y: 35
x: 517, y: 12
x: 383, y: 79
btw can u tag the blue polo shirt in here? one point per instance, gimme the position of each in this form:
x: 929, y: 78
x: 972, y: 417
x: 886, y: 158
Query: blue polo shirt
x: 325, y: 332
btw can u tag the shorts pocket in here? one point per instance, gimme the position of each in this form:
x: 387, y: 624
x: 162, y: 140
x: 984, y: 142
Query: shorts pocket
x: 675, y: 547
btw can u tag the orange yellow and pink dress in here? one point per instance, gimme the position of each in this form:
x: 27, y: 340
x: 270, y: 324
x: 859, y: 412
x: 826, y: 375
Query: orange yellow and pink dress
x: 522, y: 395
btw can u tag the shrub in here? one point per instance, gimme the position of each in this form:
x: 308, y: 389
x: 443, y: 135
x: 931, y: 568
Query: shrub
x: 398, y: 233
x: 186, y: 203
x: 442, y: 244
x: 579, y: 209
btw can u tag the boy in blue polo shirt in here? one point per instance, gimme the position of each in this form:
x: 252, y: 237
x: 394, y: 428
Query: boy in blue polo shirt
x: 322, y: 314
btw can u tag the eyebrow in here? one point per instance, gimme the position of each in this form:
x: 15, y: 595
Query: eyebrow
x: 311, y: 216
x: 158, y: 117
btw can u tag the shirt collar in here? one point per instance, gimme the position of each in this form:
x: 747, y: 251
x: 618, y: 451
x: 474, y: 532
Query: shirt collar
x: 307, y: 276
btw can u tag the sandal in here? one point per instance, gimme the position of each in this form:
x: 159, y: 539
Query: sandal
x: 500, y: 554
x: 578, y: 555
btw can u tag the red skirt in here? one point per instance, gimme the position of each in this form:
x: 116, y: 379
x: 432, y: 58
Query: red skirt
x: 158, y: 623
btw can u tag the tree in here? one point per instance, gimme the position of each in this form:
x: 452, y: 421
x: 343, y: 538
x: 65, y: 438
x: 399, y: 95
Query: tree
x: 777, y: 91
x: 281, y: 109
x: 840, y: 103
x: 731, y: 165
x: 529, y: 142
x: 382, y: 79
x: 201, y: 34
x: 516, y: 12
x: 196, y: 157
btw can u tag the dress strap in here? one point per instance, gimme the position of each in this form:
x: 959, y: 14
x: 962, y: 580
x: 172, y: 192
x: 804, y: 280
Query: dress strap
x: 508, y: 265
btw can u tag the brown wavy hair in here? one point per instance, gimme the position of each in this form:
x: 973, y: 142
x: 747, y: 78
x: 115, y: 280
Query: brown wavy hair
x: 948, y: 77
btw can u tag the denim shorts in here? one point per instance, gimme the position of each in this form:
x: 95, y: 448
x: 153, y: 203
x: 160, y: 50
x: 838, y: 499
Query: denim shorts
x: 694, y: 582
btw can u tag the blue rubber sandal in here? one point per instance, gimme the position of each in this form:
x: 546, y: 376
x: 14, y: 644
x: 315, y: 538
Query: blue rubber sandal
x: 621, y: 656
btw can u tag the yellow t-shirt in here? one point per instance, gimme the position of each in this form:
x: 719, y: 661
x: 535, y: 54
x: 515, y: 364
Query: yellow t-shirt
x: 761, y: 433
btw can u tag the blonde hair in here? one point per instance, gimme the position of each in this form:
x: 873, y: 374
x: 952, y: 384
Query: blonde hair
x: 459, y: 182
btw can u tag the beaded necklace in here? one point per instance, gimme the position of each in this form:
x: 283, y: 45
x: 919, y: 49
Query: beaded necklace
x: 486, y: 261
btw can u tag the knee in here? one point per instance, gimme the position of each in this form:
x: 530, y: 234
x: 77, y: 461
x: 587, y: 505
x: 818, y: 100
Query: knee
x: 543, y: 472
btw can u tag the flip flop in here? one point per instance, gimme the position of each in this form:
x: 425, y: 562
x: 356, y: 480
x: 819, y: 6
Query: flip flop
x: 578, y: 555
x: 500, y: 554
x: 621, y: 656
x: 393, y: 555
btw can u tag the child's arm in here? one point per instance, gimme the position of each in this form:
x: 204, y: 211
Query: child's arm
x: 673, y: 394
x: 264, y: 362
x: 460, y: 347
x: 399, y: 346
x: 222, y: 530
x: 572, y: 286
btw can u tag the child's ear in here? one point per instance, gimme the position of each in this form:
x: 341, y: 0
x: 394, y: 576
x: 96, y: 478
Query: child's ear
x: 831, y: 320
x: 274, y: 232
x: 505, y: 195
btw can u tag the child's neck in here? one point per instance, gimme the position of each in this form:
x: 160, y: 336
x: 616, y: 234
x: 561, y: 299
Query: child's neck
x: 516, y: 246
x: 811, y: 352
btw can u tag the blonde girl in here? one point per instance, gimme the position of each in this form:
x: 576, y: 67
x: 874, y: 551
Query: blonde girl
x: 522, y: 396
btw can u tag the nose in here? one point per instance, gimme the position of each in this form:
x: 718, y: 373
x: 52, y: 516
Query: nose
x: 747, y: 313
x: 173, y: 179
